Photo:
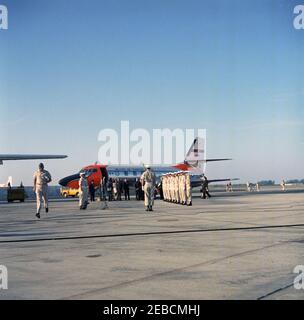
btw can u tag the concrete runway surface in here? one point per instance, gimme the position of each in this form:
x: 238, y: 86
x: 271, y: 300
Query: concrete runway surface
x: 232, y: 246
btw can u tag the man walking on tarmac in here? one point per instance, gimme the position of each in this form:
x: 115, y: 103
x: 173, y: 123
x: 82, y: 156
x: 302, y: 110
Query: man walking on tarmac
x: 205, y: 189
x: 41, y: 180
x: 148, y: 183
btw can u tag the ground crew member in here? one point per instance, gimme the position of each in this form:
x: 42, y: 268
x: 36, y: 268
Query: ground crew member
x: 283, y: 184
x: 148, y: 183
x: 188, y: 190
x: 41, y: 179
x: 83, y: 191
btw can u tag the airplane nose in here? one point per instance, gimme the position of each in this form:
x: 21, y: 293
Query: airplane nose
x: 67, y: 180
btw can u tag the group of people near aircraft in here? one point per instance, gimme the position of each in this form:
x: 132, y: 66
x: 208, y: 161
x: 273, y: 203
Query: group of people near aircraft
x: 115, y: 188
x: 42, y: 177
x: 176, y: 188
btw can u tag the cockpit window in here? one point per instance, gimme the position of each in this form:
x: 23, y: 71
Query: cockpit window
x: 88, y: 172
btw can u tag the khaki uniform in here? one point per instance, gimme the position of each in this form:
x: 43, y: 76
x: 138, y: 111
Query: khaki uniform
x: 148, y: 180
x: 168, y: 187
x: 83, y: 192
x: 41, y: 180
x: 164, y: 182
x: 182, y: 188
x: 188, y: 190
x: 176, y: 188
x: 171, y: 188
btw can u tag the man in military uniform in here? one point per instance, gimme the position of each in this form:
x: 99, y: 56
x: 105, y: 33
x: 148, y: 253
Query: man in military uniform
x: 172, y: 192
x: 170, y: 187
x: 83, y: 191
x: 182, y: 188
x: 176, y: 187
x: 167, y: 188
x: 188, y: 190
x: 41, y: 179
x: 148, y: 182
x: 162, y: 181
x: 173, y: 188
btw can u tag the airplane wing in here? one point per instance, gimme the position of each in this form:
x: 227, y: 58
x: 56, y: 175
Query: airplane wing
x: 212, y: 160
x: 6, y: 157
x: 221, y: 180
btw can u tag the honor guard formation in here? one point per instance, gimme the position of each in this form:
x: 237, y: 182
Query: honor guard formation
x: 176, y: 188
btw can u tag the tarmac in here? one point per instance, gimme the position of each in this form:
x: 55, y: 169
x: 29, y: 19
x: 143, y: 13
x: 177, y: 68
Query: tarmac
x: 232, y: 246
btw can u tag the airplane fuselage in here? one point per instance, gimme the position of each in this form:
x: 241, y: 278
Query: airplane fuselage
x: 96, y: 172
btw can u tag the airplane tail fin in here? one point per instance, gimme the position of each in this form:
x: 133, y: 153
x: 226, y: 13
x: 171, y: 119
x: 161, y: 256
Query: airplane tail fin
x: 196, y: 156
x: 197, y: 152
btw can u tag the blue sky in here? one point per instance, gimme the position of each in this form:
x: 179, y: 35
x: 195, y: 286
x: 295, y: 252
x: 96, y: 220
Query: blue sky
x: 71, y: 68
